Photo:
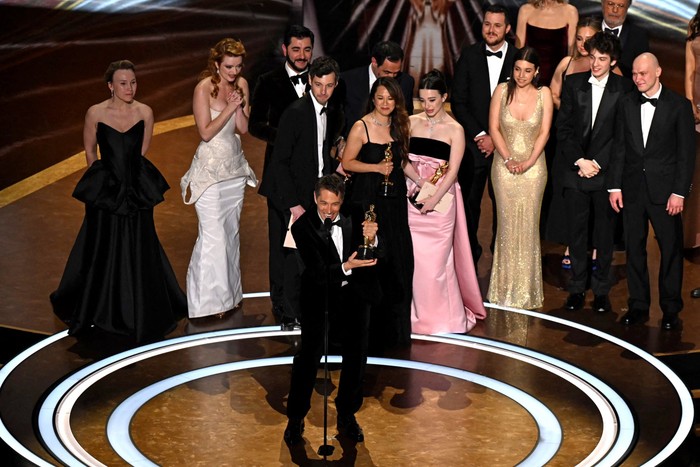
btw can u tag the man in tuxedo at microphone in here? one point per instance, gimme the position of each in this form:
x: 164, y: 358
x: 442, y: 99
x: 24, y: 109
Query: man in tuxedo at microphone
x: 650, y: 175
x: 332, y: 277
x: 273, y: 93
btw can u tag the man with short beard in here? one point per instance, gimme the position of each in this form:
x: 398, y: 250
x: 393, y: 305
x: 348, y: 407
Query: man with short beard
x: 480, y: 68
x: 273, y: 93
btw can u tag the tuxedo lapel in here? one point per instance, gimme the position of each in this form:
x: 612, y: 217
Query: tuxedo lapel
x: 660, y: 119
x: 635, y: 122
x: 585, y: 102
x: 483, y: 70
x: 346, y: 225
x: 607, y: 104
x: 311, y: 126
x: 285, y: 86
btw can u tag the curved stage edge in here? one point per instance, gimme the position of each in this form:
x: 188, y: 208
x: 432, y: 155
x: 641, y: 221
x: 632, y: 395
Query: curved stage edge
x: 524, y: 388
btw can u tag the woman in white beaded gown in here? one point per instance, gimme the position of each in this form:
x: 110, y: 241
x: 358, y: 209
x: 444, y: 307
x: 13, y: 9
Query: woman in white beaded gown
x: 216, y: 181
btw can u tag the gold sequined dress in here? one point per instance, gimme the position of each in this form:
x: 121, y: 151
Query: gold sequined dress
x: 516, y: 273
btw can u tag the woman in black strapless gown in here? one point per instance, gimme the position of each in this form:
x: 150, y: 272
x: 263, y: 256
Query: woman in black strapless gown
x: 118, y: 277
x: 384, y: 130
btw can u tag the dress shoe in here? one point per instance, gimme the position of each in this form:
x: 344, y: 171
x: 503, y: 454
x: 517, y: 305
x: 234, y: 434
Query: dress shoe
x: 348, y: 426
x: 695, y: 293
x: 635, y: 317
x: 670, y: 321
x: 574, y: 301
x: 290, y: 324
x: 292, y: 434
x: 601, y: 304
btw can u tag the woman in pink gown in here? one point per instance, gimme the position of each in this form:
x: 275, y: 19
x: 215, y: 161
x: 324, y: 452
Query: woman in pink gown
x: 446, y: 295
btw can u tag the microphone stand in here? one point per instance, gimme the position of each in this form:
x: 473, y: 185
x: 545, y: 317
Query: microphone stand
x: 326, y: 449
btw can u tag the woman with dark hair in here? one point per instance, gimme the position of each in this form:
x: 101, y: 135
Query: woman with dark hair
x: 519, y: 120
x: 216, y: 182
x: 375, y: 154
x: 446, y: 296
x: 118, y: 277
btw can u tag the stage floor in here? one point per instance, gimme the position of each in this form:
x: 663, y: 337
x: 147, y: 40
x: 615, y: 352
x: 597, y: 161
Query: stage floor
x: 548, y: 387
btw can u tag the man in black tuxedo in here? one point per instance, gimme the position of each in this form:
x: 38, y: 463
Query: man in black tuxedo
x: 479, y: 69
x: 651, y: 171
x: 586, y: 131
x: 273, y: 93
x: 387, y: 60
x: 300, y: 156
x: 333, y: 277
x: 633, y: 40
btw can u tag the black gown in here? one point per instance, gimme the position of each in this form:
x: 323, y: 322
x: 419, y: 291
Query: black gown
x: 390, y: 321
x: 118, y: 277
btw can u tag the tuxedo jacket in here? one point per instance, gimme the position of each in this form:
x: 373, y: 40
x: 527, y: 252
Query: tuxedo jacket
x: 471, y: 93
x: 575, y: 137
x: 355, y: 86
x: 292, y: 170
x: 322, y: 264
x: 273, y: 93
x: 666, y: 164
x: 634, y: 41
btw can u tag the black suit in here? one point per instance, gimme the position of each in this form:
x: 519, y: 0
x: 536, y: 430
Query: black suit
x: 577, y: 139
x: 647, y: 177
x: 289, y: 180
x: 355, y: 86
x: 471, y: 98
x: 272, y: 95
x: 348, y: 310
x: 634, y: 41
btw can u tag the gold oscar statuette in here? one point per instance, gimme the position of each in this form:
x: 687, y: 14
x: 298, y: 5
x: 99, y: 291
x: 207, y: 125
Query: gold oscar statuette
x: 366, y: 250
x: 386, y: 188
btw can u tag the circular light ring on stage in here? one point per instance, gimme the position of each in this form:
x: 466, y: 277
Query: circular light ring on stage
x: 56, y: 446
x: 550, y: 433
x: 617, y: 434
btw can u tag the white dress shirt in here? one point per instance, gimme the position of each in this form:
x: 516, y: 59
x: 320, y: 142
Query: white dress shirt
x: 299, y: 87
x: 321, y: 120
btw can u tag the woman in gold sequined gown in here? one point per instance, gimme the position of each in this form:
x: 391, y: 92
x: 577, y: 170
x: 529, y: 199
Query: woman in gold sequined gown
x: 519, y: 122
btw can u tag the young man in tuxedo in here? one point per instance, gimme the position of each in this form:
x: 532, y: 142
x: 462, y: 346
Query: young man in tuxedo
x: 480, y: 68
x: 650, y: 176
x: 633, y: 40
x: 333, y: 277
x: 273, y: 93
x: 301, y: 155
x: 387, y: 60
x: 586, y: 131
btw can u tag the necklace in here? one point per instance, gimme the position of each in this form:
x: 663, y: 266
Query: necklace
x: 377, y: 122
x: 433, y: 122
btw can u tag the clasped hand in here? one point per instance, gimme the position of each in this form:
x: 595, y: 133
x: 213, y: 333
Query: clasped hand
x: 587, y: 168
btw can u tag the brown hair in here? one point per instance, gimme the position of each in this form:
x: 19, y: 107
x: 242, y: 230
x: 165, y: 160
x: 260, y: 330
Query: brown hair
x: 225, y: 47
x: 694, y: 26
x: 118, y: 65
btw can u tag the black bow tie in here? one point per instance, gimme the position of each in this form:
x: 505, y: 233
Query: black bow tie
x: 303, y: 77
x: 328, y: 223
x: 644, y: 100
x: 498, y: 54
x: 323, y: 110
x: 612, y: 31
